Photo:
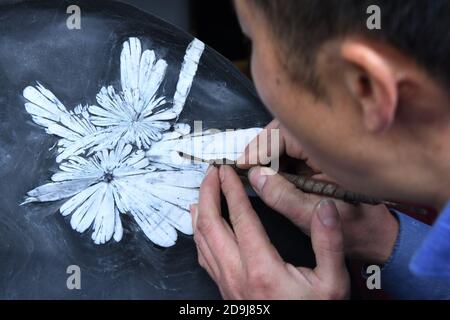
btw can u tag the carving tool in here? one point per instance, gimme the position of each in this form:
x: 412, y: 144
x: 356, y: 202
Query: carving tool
x: 318, y: 187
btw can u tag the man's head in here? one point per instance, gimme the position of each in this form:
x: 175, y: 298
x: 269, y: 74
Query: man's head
x: 368, y: 106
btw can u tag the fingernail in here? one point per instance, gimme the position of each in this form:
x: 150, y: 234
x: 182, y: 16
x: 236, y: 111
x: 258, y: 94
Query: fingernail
x: 222, y: 173
x: 241, y: 160
x: 327, y: 213
x: 210, y: 168
x: 195, y: 215
x: 257, y: 178
x: 193, y: 209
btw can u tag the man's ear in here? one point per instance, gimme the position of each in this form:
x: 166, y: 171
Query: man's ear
x: 371, y: 80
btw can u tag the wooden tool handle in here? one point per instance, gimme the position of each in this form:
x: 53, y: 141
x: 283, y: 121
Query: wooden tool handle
x: 331, y: 190
x: 328, y: 189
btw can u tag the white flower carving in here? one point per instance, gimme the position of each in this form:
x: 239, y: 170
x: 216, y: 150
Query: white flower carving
x: 137, y: 114
x: 119, y: 181
x: 120, y: 157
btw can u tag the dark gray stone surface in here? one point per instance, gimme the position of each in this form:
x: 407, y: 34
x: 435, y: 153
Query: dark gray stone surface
x: 36, y: 243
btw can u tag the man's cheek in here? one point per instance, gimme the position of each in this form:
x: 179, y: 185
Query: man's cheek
x: 257, y: 78
x: 271, y: 99
x: 262, y: 81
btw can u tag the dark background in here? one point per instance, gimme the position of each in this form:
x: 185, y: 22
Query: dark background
x: 214, y: 22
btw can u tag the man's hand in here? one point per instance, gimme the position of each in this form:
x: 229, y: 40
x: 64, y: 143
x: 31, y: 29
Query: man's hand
x: 243, y: 262
x: 370, y: 232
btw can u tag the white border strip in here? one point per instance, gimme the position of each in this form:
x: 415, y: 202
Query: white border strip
x: 188, y: 70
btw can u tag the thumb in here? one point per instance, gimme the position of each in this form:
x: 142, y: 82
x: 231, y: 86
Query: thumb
x: 328, y: 243
x: 282, y: 196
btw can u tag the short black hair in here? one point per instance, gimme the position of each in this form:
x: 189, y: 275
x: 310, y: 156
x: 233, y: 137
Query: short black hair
x: 417, y: 28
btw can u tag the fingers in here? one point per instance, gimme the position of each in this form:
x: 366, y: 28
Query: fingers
x: 283, y: 196
x: 328, y: 244
x: 228, y: 255
x: 244, y: 263
x: 269, y: 145
x: 210, y: 229
x: 205, y: 257
x: 249, y: 231
x: 259, y: 150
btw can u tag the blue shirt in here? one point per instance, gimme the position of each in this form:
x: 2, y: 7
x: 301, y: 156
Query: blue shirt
x: 433, y: 257
x: 419, y: 267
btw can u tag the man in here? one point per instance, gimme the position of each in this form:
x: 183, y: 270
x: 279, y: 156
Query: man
x: 370, y: 108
